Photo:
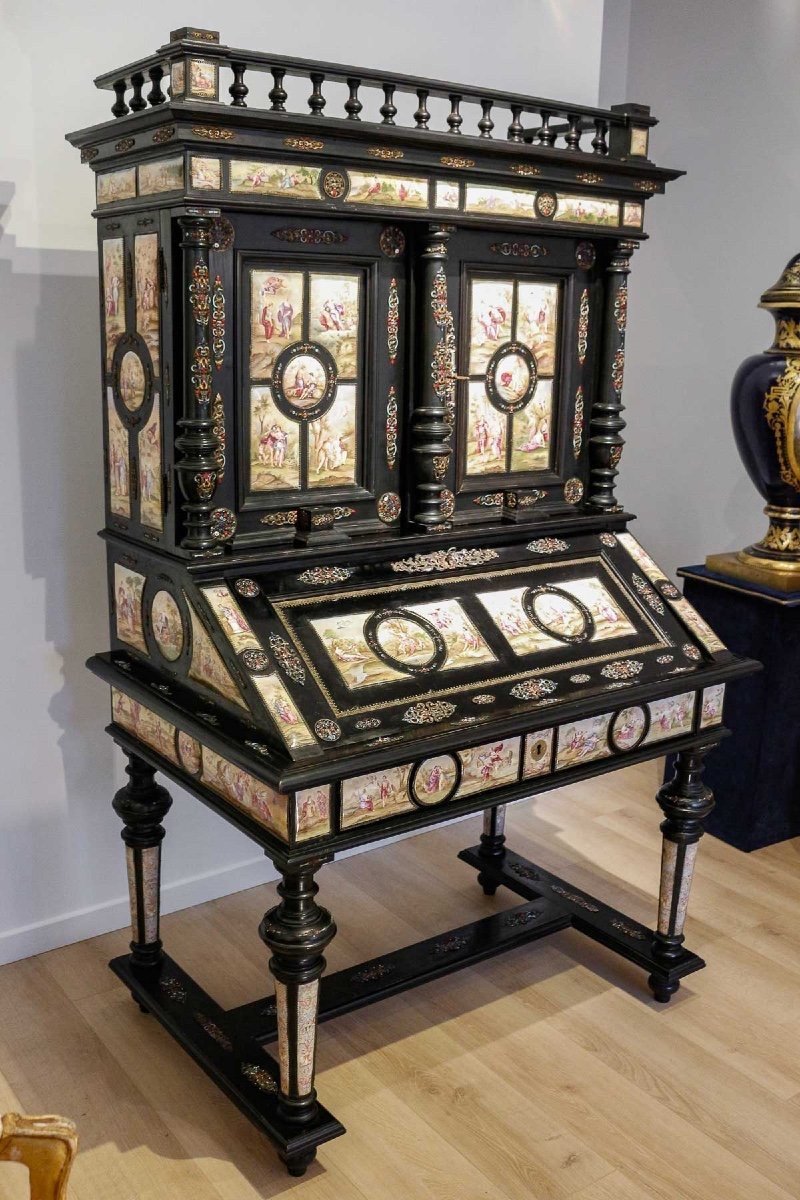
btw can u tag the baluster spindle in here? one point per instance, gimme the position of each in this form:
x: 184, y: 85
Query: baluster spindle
x: 388, y: 109
x: 486, y: 124
x: 278, y: 95
x: 544, y: 134
x: 138, y: 101
x: 515, y: 129
x: 573, y: 138
x: 454, y: 117
x: 599, y: 143
x: 119, y: 107
x: 352, y: 105
x: 238, y: 89
x: 422, y: 116
x: 156, y: 95
x: 316, y: 101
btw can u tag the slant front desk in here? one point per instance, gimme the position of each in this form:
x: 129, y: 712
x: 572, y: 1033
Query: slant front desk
x: 367, y: 570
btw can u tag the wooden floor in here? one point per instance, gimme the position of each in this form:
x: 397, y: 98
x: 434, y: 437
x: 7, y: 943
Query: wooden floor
x: 545, y: 1073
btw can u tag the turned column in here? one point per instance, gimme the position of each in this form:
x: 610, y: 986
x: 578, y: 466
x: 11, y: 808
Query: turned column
x: 297, y: 932
x: 686, y: 802
x: 492, y: 846
x: 197, y: 444
x: 433, y: 414
x: 142, y: 805
x: 606, y: 423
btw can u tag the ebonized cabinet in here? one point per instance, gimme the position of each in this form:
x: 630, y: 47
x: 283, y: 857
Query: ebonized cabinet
x: 367, y: 569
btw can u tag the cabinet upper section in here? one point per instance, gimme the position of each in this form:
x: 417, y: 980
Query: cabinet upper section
x: 176, y: 134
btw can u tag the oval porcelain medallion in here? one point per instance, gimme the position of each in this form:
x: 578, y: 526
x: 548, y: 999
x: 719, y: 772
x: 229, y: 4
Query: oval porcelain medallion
x: 511, y: 377
x: 167, y: 624
x: 628, y: 728
x: 304, y: 381
x: 132, y: 381
x: 189, y: 752
x: 405, y: 640
x: 435, y: 779
x: 558, y: 614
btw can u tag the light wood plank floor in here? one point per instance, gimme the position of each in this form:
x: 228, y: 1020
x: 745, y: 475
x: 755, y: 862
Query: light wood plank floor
x: 546, y: 1073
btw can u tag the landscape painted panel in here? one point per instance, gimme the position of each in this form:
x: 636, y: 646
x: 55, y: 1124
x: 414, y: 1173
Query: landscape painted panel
x: 312, y: 812
x: 281, y: 708
x: 499, y: 202
x: 150, y: 507
x: 332, y: 442
x: 579, y: 210
x: 491, y: 313
x: 333, y: 318
x: 582, y: 741
x: 274, y: 445
x: 207, y: 666
x: 530, y: 436
x: 537, y: 322
x: 506, y: 610
x: 713, y: 700
x: 276, y: 317
x: 202, y: 79
x: 164, y: 175
x: 491, y: 766
x: 375, y: 796
x: 128, y: 588
x: 244, y: 790
x: 206, y: 174
x: 487, y: 433
x: 144, y: 724
x: 699, y: 627
x: 670, y: 717
x: 287, y: 180
x: 114, y: 294
x: 538, y: 753
x: 343, y: 638
x: 232, y: 620
x: 147, y: 292
x: 445, y: 194
x: 119, y: 465
x: 116, y: 185
x: 394, y: 191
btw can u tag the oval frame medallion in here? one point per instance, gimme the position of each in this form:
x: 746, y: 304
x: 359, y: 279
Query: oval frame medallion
x: 522, y: 351
x: 612, y: 739
x: 529, y: 598
x: 284, y: 361
x: 132, y: 343
x: 160, y: 640
x: 184, y: 757
x: 372, y: 626
x: 415, y: 775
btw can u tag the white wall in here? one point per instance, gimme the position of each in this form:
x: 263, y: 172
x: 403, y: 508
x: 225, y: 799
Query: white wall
x: 61, y: 860
x: 722, y: 77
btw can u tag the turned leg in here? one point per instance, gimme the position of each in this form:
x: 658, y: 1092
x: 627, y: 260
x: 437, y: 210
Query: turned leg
x: 141, y: 805
x: 685, y: 802
x: 297, y: 931
x: 492, y: 844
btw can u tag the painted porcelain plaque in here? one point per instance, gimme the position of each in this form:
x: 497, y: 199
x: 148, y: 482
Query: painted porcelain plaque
x: 128, y: 588
x: 119, y: 486
x: 507, y: 609
x: 286, y: 180
x: 582, y: 741
x: 495, y: 764
x: 190, y: 753
x: 147, y: 293
x: 313, y: 812
x: 538, y: 753
x: 670, y: 717
x: 151, y: 512
x: 435, y: 779
x: 114, y: 294
x: 628, y: 728
x: 244, y: 790
x: 132, y: 381
x: 207, y: 666
x: 165, y: 617
x: 375, y: 796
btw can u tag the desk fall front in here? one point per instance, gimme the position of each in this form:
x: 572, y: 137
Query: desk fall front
x: 367, y: 570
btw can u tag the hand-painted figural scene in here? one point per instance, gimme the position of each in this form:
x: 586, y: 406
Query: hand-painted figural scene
x: 513, y: 327
x: 289, y: 450
x: 557, y: 620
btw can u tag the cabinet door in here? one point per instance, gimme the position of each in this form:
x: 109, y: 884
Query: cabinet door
x: 525, y: 352
x: 319, y: 371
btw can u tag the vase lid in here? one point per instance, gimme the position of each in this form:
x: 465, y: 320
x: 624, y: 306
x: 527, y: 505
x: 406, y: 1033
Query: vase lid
x: 785, y: 292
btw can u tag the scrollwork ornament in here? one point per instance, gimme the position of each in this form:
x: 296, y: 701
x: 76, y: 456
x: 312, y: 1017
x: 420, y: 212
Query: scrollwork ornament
x: 443, y: 365
x: 447, y: 504
x: 391, y: 428
x: 201, y: 374
x: 618, y: 370
x: 389, y: 507
x: 200, y: 293
x: 440, y: 462
x: 327, y: 730
x: 334, y: 184
x: 392, y: 241
x: 778, y: 402
x: 393, y: 322
x: 205, y: 482
x: 218, y: 323
x: 218, y: 429
x: 583, y: 326
x: 223, y: 524
x: 577, y: 423
x: 621, y: 306
x: 286, y: 658
x: 325, y: 575
x: 444, y: 560
x: 573, y: 491
x: 428, y: 712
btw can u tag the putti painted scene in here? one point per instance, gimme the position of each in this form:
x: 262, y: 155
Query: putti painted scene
x: 304, y: 345
x: 513, y: 330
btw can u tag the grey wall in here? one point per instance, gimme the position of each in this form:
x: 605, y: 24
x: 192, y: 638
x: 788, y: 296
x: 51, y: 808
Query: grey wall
x: 722, y: 77
x: 61, y: 861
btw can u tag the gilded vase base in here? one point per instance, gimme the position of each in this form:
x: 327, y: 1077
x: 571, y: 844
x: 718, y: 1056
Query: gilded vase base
x: 780, y: 575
